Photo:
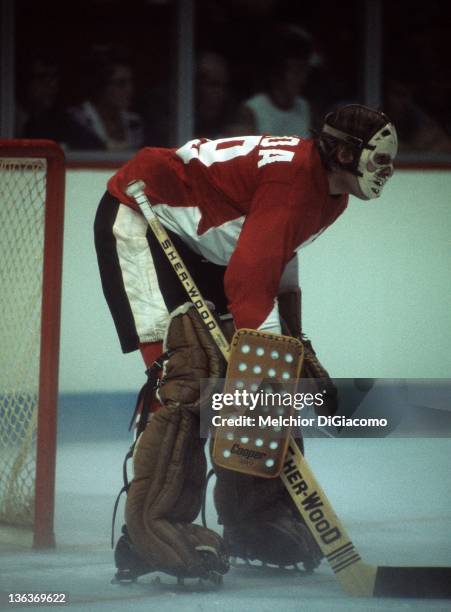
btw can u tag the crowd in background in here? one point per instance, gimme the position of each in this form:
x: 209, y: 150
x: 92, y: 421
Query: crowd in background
x: 103, y: 119
x: 257, y: 69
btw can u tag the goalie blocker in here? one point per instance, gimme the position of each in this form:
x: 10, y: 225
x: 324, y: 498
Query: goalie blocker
x: 267, y: 367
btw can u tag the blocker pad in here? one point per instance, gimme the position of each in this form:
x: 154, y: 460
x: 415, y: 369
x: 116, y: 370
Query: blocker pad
x: 253, y: 435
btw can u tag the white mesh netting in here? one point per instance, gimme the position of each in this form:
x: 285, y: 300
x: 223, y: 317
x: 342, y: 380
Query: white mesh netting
x: 22, y: 208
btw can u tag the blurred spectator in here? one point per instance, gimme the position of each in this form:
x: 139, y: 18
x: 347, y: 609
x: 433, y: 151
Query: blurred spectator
x: 104, y: 120
x: 214, y: 106
x: 281, y: 107
x: 417, y: 130
x: 39, y: 113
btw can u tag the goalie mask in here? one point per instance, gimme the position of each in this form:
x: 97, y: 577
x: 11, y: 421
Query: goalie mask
x: 374, y: 155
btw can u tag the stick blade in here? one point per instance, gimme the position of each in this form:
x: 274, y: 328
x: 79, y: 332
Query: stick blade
x: 421, y: 582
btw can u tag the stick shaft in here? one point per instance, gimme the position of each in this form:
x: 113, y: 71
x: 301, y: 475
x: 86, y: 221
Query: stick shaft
x: 182, y: 272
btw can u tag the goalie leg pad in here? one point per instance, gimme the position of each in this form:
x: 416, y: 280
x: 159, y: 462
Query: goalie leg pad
x: 165, y: 495
x: 260, y: 520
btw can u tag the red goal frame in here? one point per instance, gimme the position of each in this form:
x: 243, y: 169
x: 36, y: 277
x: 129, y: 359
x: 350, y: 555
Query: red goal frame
x: 43, y: 527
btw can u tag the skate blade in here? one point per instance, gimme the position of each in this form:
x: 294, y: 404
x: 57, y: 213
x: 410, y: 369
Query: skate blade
x: 259, y: 566
x: 189, y: 585
x: 124, y: 577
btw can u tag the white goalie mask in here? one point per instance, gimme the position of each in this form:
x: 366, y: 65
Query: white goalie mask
x: 375, y: 165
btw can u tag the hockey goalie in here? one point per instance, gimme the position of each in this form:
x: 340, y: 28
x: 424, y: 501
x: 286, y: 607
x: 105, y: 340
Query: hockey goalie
x: 237, y: 210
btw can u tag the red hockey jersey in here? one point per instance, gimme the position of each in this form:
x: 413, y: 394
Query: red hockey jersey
x: 245, y: 202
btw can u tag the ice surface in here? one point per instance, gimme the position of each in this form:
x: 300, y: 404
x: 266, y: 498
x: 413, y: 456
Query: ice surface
x: 392, y: 494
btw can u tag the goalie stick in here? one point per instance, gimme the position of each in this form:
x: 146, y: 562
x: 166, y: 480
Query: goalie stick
x: 356, y: 577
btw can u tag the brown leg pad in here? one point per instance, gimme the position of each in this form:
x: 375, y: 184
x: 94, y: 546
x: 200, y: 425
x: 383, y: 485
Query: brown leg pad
x: 165, y: 495
x: 241, y: 497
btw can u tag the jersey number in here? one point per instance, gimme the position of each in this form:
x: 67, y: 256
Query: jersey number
x: 225, y: 149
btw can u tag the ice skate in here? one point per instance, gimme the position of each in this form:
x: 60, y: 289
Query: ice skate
x: 128, y: 562
x: 282, y: 541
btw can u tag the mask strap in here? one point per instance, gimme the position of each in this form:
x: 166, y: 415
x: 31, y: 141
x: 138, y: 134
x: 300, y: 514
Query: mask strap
x: 354, y: 140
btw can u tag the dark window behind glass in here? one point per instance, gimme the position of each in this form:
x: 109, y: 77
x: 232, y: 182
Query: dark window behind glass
x: 78, y: 63
x: 417, y: 74
x: 273, y: 48
x: 96, y: 74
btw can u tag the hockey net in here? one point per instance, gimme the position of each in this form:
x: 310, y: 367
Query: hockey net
x: 32, y: 175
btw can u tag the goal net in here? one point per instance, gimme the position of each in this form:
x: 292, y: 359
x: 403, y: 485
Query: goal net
x: 31, y: 217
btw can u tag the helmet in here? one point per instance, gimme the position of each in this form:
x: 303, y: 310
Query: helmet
x: 372, y: 139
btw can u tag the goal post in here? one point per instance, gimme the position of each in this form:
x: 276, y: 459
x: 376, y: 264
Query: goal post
x: 32, y: 182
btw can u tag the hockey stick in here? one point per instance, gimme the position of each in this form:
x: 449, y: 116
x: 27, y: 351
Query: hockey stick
x: 355, y: 576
